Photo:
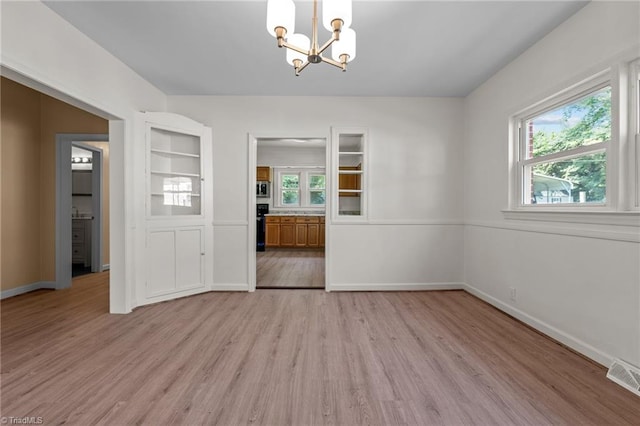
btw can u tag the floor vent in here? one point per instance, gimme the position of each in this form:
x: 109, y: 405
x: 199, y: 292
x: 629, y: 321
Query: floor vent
x: 626, y: 375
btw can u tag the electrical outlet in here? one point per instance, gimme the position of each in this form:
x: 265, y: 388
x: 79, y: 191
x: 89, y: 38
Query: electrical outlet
x: 512, y: 293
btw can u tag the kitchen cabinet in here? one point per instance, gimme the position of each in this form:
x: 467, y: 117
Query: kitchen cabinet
x: 295, y: 231
x: 263, y: 174
x: 307, y: 230
x: 321, y: 231
x: 272, y: 238
x: 287, y: 231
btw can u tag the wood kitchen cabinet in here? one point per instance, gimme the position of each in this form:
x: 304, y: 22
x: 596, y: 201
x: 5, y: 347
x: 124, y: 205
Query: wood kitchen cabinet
x: 295, y: 231
x: 321, y: 232
x: 272, y: 237
x: 307, y: 231
x: 263, y: 174
x: 287, y: 231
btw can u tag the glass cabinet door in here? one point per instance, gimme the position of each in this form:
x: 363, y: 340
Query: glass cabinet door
x: 175, y: 171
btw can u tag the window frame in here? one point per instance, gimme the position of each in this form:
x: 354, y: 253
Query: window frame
x: 634, y: 134
x: 518, y: 146
x: 304, y: 191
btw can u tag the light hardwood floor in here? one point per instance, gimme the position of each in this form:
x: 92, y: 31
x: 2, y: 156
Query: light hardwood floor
x: 292, y: 357
x: 302, y: 268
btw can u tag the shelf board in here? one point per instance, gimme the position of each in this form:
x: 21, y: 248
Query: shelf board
x: 181, y: 154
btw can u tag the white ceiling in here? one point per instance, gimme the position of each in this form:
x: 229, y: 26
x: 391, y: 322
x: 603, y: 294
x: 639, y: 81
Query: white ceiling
x: 404, y: 48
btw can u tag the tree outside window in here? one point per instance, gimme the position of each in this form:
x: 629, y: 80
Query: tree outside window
x: 565, y: 151
x: 290, y: 184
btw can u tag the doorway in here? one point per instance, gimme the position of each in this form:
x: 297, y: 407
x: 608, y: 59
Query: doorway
x: 290, y: 206
x: 80, y: 205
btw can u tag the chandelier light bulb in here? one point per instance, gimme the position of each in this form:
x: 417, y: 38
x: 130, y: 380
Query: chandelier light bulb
x: 281, y: 13
x: 336, y: 9
x: 345, y: 46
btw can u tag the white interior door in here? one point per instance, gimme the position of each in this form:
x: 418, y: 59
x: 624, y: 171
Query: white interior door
x: 177, y: 209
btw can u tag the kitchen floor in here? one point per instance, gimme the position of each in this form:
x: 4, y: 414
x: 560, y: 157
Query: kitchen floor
x: 290, y: 268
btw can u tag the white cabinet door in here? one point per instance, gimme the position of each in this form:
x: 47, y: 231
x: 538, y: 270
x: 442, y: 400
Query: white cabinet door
x: 176, y: 229
x: 175, y: 261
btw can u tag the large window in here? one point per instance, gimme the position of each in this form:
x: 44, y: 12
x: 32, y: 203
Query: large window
x: 563, y: 149
x: 300, y: 188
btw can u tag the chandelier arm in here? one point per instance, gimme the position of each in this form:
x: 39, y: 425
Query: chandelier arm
x: 327, y: 44
x: 342, y: 66
x: 296, y: 48
x: 299, y: 70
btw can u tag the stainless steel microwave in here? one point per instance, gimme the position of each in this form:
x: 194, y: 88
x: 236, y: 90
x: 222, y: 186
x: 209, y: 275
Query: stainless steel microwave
x: 262, y: 189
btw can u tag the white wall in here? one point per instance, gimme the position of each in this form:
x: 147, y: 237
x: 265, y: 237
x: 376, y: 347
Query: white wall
x: 415, y: 184
x: 42, y: 51
x: 579, y: 283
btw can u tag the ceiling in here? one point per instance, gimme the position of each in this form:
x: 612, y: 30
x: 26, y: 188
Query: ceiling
x: 404, y: 48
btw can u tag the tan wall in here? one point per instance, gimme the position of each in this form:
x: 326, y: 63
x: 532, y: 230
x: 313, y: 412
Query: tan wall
x: 30, y: 121
x: 20, y: 122
x: 104, y: 146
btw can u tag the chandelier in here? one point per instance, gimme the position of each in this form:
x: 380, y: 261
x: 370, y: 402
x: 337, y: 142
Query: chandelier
x: 336, y: 17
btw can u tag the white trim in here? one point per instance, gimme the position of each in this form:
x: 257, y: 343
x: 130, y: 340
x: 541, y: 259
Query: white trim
x: 629, y: 236
x: 230, y: 223
x: 106, y: 267
x: 231, y: 287
x: 622, y: 218
x: 50, y: 285
x: 559, y: 335
x: 399, y: 222
x: 396, y: 287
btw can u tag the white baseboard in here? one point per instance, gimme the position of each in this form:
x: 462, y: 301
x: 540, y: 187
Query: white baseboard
x: 395, y: 287
x: 27, y: 288
x: 230, y: 287
x: 559, y: 335
x: 106, y: 267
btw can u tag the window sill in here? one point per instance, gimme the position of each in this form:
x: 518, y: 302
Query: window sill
x: 620, y: 218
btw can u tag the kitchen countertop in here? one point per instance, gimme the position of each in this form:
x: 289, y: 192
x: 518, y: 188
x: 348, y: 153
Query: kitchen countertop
x: 289, y: 213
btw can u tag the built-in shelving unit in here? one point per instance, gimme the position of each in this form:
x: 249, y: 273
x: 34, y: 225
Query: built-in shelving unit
x: 175, y: 173
x: 350, y: 173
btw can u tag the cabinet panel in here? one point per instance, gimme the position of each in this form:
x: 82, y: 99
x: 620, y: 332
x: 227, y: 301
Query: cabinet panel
x: 189, y: 253
x: 263, y: 174
x: 176, y: 256
x: 161, y: 276
x: 313, y: 235
x: 287, y: 234
x: 301, y: 234
x: 272, y: 238
x: 321, y: 237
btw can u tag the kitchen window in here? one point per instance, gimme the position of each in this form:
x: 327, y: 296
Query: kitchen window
x: 300, y: 187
